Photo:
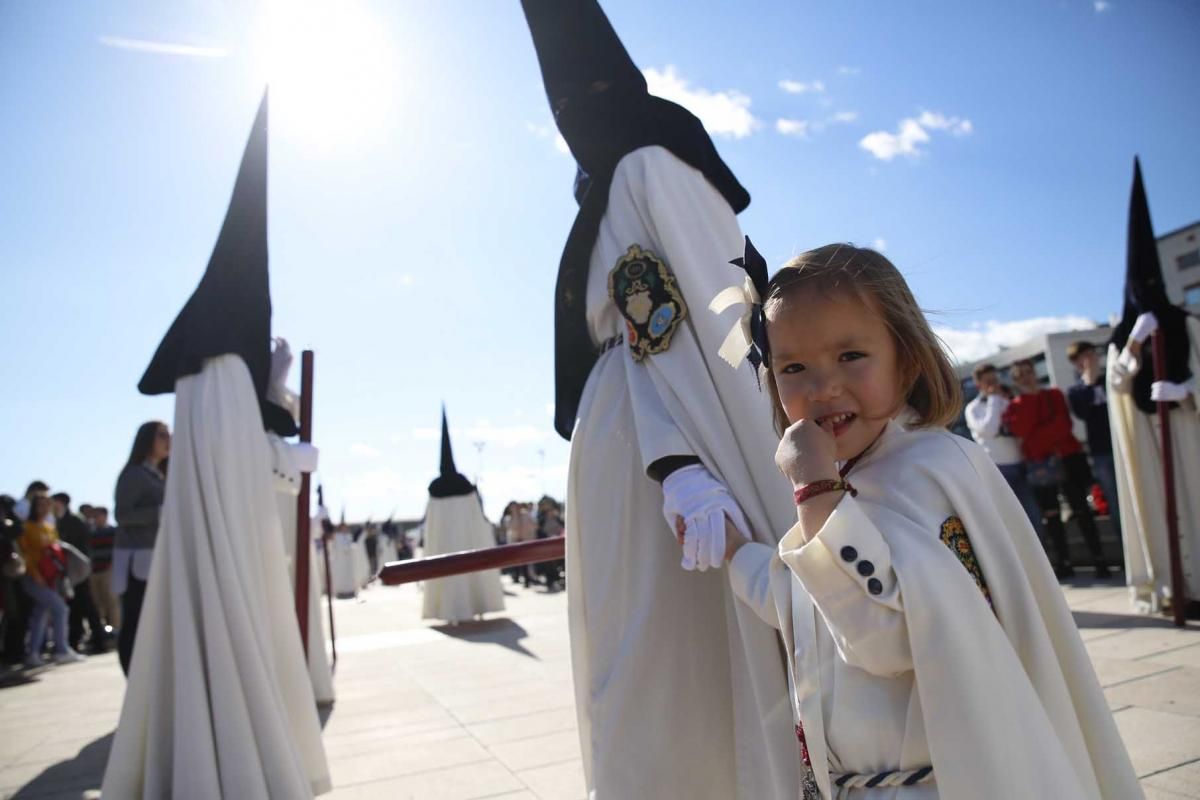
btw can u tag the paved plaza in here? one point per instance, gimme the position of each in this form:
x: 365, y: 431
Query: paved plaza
x: 485, y: 710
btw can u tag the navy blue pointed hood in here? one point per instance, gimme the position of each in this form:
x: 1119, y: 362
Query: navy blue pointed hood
x: 604, y: 111
x: 230, y: 310
x: 1145, y: 291
x: 450, y: 482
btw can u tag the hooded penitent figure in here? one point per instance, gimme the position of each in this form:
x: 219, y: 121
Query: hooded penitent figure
x: 1133, y: 391
x: 454, y: 522
x: 219, y: 702
x: 289, y: 461
x: 681, y: 691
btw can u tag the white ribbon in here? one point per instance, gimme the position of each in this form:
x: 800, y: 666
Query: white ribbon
x: 739, y: 339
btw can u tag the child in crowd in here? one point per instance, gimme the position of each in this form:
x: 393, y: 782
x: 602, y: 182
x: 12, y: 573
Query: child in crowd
x: 931, y: 651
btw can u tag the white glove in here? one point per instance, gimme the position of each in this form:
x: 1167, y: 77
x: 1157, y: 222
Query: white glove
x: 304, y: 456
x: 703, y: 502
x: 281, y: 363
x: 1143, y: 326
x: 1167, y: 392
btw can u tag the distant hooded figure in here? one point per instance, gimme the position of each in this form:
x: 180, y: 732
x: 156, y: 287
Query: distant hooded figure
x: 454, y: 522
x: 681, y: 690
x: 1133, y: 392
x: 219, y: 702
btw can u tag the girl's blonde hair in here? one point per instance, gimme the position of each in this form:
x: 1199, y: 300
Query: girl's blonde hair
x: 931, y: 386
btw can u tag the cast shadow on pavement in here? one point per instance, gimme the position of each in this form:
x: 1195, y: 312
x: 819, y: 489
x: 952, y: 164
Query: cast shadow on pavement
x: 72, y: 778
x: 501, y: 631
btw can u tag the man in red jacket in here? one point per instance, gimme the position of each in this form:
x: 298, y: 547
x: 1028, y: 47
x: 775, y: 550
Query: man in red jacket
x: 1055, y: 462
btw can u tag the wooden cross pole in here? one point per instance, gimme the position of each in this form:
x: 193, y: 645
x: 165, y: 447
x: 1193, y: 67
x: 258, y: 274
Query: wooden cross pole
x: 1178, y: 592
x: 303, y: 517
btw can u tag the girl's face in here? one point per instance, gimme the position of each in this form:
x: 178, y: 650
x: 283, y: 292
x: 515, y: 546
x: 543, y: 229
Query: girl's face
x: 834, y: 362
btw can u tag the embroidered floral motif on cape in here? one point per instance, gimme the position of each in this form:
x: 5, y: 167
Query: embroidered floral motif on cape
x: 954, y: 536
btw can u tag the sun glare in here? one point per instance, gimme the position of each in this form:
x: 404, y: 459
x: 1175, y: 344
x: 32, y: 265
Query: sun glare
x: 332, y: 72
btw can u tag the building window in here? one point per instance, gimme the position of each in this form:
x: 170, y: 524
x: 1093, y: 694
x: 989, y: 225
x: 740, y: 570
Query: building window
x: 1191, y: 295
x: 1188, y: 259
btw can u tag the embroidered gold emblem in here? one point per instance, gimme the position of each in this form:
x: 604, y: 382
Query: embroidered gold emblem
x: 644, y: 291
x: 954, y: 536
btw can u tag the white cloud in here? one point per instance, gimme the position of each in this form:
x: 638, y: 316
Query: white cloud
x: 879, y: 244
x: 982, y: 339
x: 1101, y: 6
x: 911, y: 133
x: 549, y: 132
x: 801, y: 87
x: 724, y: 113
x: 162, y: 48
x: 844, y: 70
x: 903, y: 142
x: 844, y: 117
x: 364, y: 450
x: 940, y: 122
x: 792, y: 127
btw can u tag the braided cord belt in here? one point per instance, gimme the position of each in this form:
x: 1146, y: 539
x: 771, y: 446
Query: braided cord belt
x: 909, y: 777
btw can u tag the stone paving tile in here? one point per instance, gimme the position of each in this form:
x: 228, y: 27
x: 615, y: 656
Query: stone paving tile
x: 557, y: 782
x: 537, y: 751
x: 1182, y: 781
x: 514, y: 729
x: 1174, y: 691
x: 1183, y: 657
x: 479, y: 780
x: 1141, y: 642
x: 1116, y: 671
x: 406, y: 759
x: 1158, y: 740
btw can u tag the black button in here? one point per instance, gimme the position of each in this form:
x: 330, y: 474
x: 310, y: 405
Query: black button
x: 874, y: 586
x: 849, y: 553
x: 866, y: 568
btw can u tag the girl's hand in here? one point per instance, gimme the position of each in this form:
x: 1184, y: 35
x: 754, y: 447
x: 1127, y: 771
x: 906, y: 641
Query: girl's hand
x: 807, y: 452
x: 733, y: 537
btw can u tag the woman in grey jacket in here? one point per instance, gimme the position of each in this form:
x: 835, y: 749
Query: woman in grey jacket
x: 139, y: 498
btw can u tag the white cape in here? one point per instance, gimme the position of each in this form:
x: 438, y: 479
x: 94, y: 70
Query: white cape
x: 218, y: 703
x: 1009, y: 699
x: 453, y: 524
x: 680, y: 690
x: 1138, y: 456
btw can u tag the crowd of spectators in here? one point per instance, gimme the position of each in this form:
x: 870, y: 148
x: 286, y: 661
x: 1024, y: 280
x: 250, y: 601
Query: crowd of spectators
x: 1027, y: 430
x: 72, y: 582
x: 525, y: 522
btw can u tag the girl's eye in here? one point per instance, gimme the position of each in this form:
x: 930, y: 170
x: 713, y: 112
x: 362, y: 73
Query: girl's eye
x: 792, y: 369
x: 852, y: 355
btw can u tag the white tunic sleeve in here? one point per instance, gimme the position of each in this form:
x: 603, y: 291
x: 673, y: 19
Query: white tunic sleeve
x: 847, y: 569
x: 750, y: 577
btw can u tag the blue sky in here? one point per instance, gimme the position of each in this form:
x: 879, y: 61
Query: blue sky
x: 419, y: 202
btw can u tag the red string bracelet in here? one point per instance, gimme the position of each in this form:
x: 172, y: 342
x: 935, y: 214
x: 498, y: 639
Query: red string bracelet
x: 811, y: 490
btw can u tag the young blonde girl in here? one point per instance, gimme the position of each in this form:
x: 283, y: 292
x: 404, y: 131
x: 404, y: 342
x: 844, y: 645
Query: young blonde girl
x: 931, y: 651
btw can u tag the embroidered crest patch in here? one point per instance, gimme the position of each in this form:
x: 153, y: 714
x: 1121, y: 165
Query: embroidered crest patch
x: 644, y: 291
x: 954, y: 536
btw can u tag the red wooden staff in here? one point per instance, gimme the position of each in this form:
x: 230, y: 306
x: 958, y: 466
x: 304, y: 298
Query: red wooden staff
x: 506, y: 555
x: 1178, y: 592
x: 303, y: 520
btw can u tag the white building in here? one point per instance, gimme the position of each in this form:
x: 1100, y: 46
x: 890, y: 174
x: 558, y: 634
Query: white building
x: 1179, y: 252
